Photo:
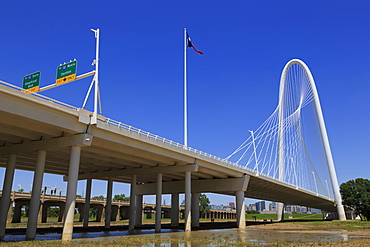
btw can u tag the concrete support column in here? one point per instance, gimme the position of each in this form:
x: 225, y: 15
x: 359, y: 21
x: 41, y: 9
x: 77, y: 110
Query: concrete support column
x: 99, y: 213
x: 118, y: 214
x: 74, y: 164
x: 41, y: 212
x: 175, y: 209
x: 280, y: 211
x: 61, y: 212
x: 108, y: 207
x: 139, y: 211
x: 158, y: 206
x: 195, y: 209
x: 113, y: 216
x: 44, y: 212
x: 10, y: 211
x: 131, y: 224
x: 17, y: 211
x: 187, y: 201
x: 5, y: 198
x: 81, y: 210
x: 87, y: 203
x: 240, y: 209
x: 36, y: 193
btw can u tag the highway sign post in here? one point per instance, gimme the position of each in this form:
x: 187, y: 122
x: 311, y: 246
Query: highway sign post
x: 66, y: 72
x: 31, y: 83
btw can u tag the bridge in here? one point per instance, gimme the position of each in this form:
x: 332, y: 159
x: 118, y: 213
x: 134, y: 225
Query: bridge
x: 119, y: 209
x: 44, y: 135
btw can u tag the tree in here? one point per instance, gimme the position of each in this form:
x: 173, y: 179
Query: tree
x: 53, y: 211
x: 98, y: 197
x: 356, y: 194
x: 204, y: 204
x: 121, y: 197
x: 26, y: 210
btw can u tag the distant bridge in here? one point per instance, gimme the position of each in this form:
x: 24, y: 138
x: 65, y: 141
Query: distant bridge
x: 119, y: 209
x: 44, y: 135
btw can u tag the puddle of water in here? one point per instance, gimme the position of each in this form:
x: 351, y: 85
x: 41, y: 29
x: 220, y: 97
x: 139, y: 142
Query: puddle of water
x: 84, y: 235
x: 222, y: 235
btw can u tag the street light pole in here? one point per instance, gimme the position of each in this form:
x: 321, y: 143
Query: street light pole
x: 95, y: 82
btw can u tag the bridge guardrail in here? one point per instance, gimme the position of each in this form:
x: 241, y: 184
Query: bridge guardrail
x: 170, y: 142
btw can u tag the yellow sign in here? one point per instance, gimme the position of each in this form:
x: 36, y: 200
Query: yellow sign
x: 66, y: 79
x: 32, y: 90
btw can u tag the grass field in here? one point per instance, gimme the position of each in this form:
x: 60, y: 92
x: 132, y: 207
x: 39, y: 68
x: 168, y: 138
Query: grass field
x: 294, y: 216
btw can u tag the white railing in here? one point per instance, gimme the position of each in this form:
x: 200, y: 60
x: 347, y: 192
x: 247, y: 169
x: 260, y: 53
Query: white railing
x: 170, y: 142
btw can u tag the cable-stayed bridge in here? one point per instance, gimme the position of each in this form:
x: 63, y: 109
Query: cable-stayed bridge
x: 287, y: 159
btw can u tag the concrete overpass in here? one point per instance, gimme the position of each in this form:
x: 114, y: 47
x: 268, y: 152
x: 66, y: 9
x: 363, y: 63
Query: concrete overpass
x: 43, y: 135
x: 119, y: 209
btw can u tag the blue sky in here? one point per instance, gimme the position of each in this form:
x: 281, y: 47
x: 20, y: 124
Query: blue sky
x: 232, y: 88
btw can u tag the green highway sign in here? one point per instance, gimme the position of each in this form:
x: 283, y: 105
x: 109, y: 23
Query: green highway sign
x: 66, y: 72
x: 31, y: 82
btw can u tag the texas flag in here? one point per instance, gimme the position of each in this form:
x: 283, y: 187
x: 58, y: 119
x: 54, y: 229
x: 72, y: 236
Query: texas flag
x: 190, y: 44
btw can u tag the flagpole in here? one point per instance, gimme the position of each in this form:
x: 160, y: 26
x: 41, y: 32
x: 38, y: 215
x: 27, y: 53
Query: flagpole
x: 185, y: 95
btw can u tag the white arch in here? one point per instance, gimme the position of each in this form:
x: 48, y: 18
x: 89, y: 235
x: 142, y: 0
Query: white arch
x: 324, y: 135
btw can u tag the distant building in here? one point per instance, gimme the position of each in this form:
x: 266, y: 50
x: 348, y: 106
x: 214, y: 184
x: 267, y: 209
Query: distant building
x: 216, y: 207
x: 268, y: 212
x: 260, y: 206
x: 251, y: 207
x: 297, y: 209
x: 272, y: 206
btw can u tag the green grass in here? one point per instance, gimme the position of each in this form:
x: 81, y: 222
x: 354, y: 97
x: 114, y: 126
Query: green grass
x: 336, y: 224
x: 260, y: 216
x: 304, y: 216
x: 295, y: 216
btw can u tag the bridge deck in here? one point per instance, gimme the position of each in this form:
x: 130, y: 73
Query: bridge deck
x: 27, y: 121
